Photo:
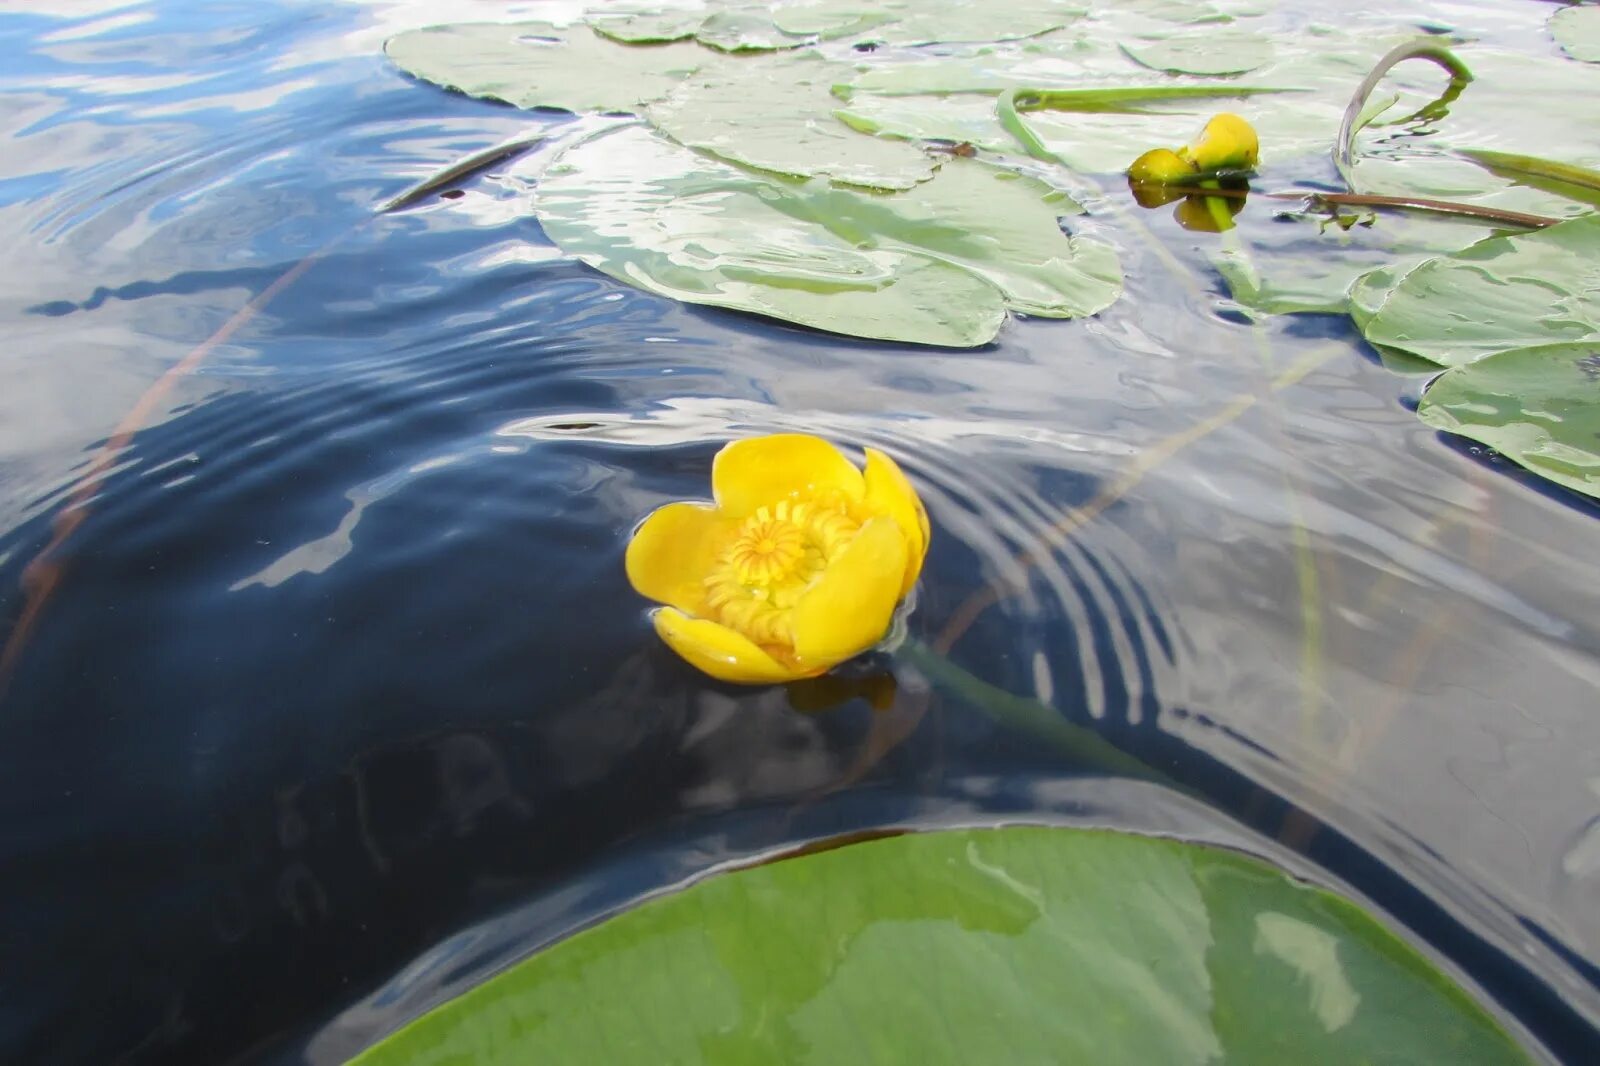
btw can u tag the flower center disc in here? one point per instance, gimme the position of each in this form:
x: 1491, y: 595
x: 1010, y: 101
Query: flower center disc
x: 775, y: 554
x: 767, y: 550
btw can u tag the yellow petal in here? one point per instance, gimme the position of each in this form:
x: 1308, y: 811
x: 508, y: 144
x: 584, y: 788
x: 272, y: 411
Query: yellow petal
x: 720, y: 652
x: 847, y: 609
x: 670, y: 555
x: 763, y: 470
x: 889, y: 492
x: 1161, y: 166
x: 1227, y: 143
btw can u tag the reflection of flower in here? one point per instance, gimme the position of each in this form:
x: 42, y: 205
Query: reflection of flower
x: 796, y: 568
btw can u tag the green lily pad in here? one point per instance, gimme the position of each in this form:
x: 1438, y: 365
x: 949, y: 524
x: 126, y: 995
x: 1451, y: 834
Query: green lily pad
x: 1002, y: 226
x: 1021, y: 944
x: 535, y: 64
x: 1308, y: 265
x: 1539, y: 407
x: 1090, y: 130
x: 829, y: 18
x: 961, y: 21
x: 1506, y: 106
x: 744, y: 30
x: 1501, y: 293
x: 778, y: 115
x: 647, y: 27
x: 938, y: 264
x: 969, y: 119
x: 1213, y: 53
x: 1577, y: 30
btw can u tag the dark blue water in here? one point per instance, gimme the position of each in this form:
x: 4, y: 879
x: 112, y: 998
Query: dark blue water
x: 326, y: 693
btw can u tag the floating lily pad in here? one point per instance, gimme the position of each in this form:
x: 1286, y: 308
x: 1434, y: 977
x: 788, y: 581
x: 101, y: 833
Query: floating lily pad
x: 535, y: 64
x: 744, y: 30
x: 648, y: 27
x: 1507, y: 105
x: 1007, y: 945
x: 1000, y: 225
x: 969, y: 119
x: 1539, y: 407
x: 1501, y: 293
x: 1202, y: 53
x: 962, y: 21
x: 778, y: 115
x: 830, y: 18
x: 1091, y: 130
x: 936, y: 265
x: 1577, y: 29
x: 1309, y: 264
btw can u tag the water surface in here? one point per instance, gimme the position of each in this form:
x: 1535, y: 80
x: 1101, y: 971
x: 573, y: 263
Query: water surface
x: 333, y: 696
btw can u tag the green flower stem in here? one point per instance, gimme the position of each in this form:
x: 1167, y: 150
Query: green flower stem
x: 1350, y: 125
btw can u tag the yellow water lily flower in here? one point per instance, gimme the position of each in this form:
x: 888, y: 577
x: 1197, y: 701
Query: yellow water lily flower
x: 1228, y: 142
x: 797, y: 567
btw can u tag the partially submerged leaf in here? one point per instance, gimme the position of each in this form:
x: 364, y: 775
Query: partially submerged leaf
x: 1504, y: 292
x: 778, y: 115
x: 535, y: 64
x: 1577, y: 30
x: 1563, y: 179
x: 1539, y: 407
x: 1021, y: 944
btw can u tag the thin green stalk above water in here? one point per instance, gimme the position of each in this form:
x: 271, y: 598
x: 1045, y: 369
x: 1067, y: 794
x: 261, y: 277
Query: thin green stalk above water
x: 1349, y: 125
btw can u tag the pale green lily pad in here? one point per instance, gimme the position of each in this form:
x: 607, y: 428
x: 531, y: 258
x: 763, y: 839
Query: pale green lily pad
x: 1000, y: 225
x: 1308, y: 265
x: 1092, y: 130
x: 1539, y: 407
x: 1014, y: 945
x: 744, y: 30
x: 648, y: 27
x: 778, y: 115
x: 1211, y: 53
x: 535, y: 64
x: 1577, y: 30
x: 969, y: 119
x: 1507, y: 106
x: 829, y: 19
x: 1501, y: 293
x: 936, y: 265
x: 962, y: 21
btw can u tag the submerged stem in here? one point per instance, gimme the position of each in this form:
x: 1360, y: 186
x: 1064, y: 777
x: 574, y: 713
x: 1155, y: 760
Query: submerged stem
x: 1414, y: 203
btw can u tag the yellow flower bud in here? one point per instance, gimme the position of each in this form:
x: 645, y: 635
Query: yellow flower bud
x: 1228, y: 142
x: 1161, y: 166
